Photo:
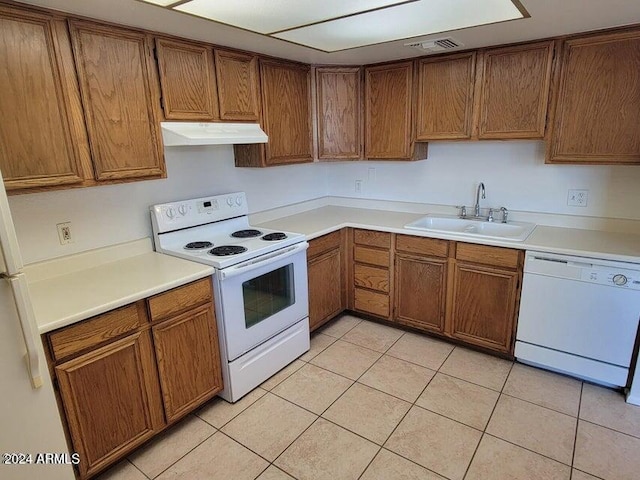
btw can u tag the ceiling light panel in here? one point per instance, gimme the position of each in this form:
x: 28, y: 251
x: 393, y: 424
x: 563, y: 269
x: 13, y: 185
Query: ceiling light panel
x: 268, y: 16
x: 162, y: 3
x: 423, y: 17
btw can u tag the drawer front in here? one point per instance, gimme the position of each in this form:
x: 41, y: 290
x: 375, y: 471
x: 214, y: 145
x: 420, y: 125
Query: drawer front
x: 371, y: 256
x: 371, y: 302
x: 371, y: 238
x: 425, y: 246
x: 323, y: 244
x: 495, y: 256
x: 95, y: 331
x: 371, y: 277
x: 180, y: 299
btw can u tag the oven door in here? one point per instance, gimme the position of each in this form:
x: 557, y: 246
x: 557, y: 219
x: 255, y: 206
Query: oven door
x: 262, y: 297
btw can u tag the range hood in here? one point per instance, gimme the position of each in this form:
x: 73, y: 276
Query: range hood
x: 176, y: 134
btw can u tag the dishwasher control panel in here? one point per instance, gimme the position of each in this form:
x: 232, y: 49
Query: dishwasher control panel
x: 590, y: 270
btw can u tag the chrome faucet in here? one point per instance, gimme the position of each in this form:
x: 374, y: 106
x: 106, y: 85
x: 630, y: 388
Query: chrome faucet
x: 477, y: 207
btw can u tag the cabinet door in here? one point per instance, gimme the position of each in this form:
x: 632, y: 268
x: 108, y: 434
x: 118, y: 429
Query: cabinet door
x: 188, y: 81
x: 420, y: 291
x: 188, y: 361
x: 484, y: 306
x: 43, y: 127
x: 238, y: 86
x: 388, y: 111
x: 339, y: 108
x: 445, y: 97
x: 111, y: 400
x: 515, y: 91
x: 597, y: 111
x: 287, y: 114
x: 325, y: 288
x: 120, y: 100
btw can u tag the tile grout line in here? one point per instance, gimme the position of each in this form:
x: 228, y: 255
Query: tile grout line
x: 538, y: 405
x: 575, y: 436
x: 136, y: 467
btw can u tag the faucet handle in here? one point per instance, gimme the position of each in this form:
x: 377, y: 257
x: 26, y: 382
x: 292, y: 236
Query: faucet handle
x: 463, y: 211
x: 490, y: 217
x: 505, y: 214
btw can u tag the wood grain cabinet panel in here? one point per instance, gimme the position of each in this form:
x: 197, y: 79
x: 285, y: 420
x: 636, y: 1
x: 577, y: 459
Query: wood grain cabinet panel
x: 120, y: 99
x: 515, y: 83
x: 445, y: 97
x: 388, y: 102
x: 180, y: 299
x: 187, y: 78
x: 484, y: 306
x: 373, y: 303
x: 111, y: 400
x: 286, y: 103
x: 188, y: 360
x: 373, y: 278
x: 339, y: 108
x: 43, y: 128
x: 597, y: 106
x: 326, y: 287
x: 420, y: 298
x: 238, y: 86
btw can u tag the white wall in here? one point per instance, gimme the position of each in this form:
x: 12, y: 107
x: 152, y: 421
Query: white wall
x: 513, y: 172
x: 112, y: 214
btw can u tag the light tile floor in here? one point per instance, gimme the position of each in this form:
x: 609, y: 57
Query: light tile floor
x: 372, y: 402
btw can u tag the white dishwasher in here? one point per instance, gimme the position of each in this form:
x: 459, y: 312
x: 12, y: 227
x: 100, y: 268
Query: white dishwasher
x: 579, y: 316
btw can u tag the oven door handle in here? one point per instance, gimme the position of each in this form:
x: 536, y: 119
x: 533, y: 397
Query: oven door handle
x: 259, y: 262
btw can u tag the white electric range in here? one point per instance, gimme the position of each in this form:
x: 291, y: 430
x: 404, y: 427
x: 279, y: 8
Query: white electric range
x: 260, y: 284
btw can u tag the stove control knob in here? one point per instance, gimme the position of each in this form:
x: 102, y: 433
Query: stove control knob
x: 238, y: 201
x: 170, y: 213
x: 620, y: 279
x: 183, y: 209
x: 230, y: 201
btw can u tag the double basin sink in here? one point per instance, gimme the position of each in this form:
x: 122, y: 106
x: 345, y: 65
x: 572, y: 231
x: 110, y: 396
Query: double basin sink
x: 512, y: 231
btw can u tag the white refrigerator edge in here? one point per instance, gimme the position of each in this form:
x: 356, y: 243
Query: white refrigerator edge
x: 29, y: 418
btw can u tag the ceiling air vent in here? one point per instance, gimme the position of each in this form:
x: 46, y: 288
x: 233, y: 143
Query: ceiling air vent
x: 437, y: 45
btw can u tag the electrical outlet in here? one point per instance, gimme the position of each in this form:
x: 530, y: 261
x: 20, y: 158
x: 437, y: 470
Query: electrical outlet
x: 358, y: 186
x: 578, y: 198
x: 64, y: 233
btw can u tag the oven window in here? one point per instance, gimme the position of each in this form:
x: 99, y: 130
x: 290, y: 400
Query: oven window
x: 268, y: 294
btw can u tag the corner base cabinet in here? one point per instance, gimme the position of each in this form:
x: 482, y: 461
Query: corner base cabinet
x: 127, y: 374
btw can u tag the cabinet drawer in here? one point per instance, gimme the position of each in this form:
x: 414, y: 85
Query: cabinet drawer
x: 425, y: 246
x: 323, y: 244
x: 496, y: 256
x: 371, y: 238
x: 371, y: 277
x: 371, y: 256
x: 180, y: 299
x: 371, y: 302
x: 97, y: 330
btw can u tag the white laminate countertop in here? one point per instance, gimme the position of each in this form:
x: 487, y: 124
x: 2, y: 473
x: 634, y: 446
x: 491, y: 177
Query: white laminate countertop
x: 134, y: 272
x: 623, y: 247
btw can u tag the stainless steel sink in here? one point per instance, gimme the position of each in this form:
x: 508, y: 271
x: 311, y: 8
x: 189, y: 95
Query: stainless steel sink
x: 512, y: 231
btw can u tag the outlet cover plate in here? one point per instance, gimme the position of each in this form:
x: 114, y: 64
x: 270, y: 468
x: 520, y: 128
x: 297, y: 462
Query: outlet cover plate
x: 578, y: 198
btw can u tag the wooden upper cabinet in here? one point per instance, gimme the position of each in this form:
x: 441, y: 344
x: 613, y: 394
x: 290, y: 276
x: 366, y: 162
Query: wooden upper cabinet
x: 388, y: 102
x: 286, y: 103
x: 514, y: 87
x: 339, y: 110
x: 42, y: 135
x: 120, y: 99
x: 597, y: 104
x: 445, y: 97
x: 238, y: 86
x: 187, y: 78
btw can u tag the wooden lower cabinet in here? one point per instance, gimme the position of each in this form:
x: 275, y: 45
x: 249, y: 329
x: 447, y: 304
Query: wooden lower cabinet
x: 484, y: 305
x: 111, y: 400
x: 188, y: 361
x: 420, y: 299
x: 325, y: 270
x: 125, y: 375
